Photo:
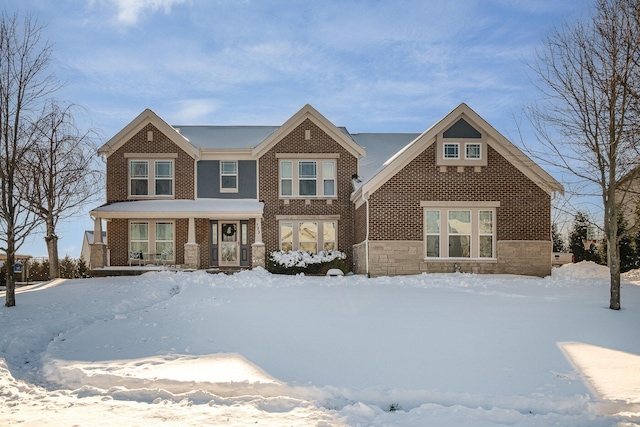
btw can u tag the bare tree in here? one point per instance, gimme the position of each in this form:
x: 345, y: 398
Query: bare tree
x: 60, y: 173
x: 588, y: 120
x: 24, y: 83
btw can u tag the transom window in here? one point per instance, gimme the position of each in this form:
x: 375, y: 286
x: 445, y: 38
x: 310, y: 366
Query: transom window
x: 452, y: 151
x: 459, y: 233
x: 472, y: 151
x: 151, y: 178
x: 228, y: 176
x: 152, y: 240
x: 307, y: 178
x: 310, y: 236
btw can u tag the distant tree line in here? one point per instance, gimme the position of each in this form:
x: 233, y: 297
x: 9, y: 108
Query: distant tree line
x: 581, y: 242
x: 70, y: 268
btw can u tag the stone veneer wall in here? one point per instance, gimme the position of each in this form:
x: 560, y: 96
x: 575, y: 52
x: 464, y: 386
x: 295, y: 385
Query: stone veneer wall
x: 360, y: 258
x: 295, y: 142
x: 389, y: 258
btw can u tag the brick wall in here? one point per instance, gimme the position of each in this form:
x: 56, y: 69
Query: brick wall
x: 395, y: 212
x: 118, y: 232
x: 203, y: 236
x: 360, y: 224
x: 118, y: 238
x: 295, y: 142
x: 117, y: 165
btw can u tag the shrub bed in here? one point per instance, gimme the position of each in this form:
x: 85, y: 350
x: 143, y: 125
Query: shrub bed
x: 295, y: 262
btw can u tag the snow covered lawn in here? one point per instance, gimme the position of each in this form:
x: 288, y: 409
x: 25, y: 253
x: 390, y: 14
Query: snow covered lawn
x: 177, y: 349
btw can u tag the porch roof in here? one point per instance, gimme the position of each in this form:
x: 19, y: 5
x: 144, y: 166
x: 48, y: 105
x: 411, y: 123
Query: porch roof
x: 170, y: 209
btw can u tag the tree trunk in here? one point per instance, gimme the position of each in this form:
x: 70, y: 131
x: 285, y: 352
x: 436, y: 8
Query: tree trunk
x: 614, y: 270
x: 10, y: 299
x: 52, y: 249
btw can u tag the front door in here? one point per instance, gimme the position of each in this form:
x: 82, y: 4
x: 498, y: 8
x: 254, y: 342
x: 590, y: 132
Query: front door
x: 229, y: 243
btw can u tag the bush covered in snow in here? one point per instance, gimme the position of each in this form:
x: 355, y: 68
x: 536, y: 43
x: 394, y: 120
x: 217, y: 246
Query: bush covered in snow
x: 294, y: 262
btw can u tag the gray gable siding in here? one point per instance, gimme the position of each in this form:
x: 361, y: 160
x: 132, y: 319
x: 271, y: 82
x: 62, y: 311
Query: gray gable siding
x: 208, y: 178
x: 461, y: 129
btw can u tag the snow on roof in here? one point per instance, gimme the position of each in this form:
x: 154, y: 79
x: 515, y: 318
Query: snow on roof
x: 181, y: 208
x: 224, y: 137
x: 380, y: 148
x: 221, y: 137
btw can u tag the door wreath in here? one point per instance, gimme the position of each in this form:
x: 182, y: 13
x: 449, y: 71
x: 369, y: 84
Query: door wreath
x: 229, y: 230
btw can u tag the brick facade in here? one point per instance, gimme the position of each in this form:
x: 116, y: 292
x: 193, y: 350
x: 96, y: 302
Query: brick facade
x: 523, y: 225
x: 118, y: 165
x: 346, y: 166
x: 395, y: 212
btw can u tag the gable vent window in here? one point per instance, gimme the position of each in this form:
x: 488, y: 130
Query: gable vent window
x: 472, y: 151
x: 452, y: 151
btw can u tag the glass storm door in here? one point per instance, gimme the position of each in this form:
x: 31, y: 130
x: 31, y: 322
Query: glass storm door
x: 229, y: 244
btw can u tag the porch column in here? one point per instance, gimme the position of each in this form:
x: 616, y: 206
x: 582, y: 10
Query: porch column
x: 191, y: 248
x: 257, y: 247
x: 98, y: 254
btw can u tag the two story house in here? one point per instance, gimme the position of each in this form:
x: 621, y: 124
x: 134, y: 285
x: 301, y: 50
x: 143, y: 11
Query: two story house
x: 457, y: 197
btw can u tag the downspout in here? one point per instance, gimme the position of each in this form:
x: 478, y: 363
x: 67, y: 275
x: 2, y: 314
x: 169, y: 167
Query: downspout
x: 366, y: 240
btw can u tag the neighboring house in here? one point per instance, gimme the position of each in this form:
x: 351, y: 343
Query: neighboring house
x: 628, y: 200
x: 87, y: 240
x: 458, y: 196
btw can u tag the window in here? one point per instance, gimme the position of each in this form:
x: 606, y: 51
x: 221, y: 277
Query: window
x: 286, y: 178
x: 451, y: 151
x: 307, y: 178
x: 286, y: 236
x: 485, y: 231
x: 151, y: 178
x: 228, y: 176
x: 464, y: 232
x: 164, y: 178
x: 164, y: 240
x: 329, y: 178
x: 153, y: 240
x: 310, y: 236
x: 432, y: 231
x: 459, y: 225
x: 139, y: 178
x: 139, y: 238
x: 472, y: 151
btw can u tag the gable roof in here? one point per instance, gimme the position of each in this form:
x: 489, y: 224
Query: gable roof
x: 494, y: 139
x: 144, y: 118
x: 308, y: 112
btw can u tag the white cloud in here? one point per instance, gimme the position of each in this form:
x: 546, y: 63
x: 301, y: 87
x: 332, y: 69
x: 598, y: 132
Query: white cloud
x: 129, y: 11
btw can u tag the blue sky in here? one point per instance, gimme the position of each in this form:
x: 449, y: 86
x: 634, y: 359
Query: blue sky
x: 372, y: 66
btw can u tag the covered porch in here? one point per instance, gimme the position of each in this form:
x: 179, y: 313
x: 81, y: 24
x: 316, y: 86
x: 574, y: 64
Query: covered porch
x: 179, y: 234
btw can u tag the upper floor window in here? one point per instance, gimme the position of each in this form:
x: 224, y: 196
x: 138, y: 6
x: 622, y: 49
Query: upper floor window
x: 451, y: 151
x: 307, y: 178
x: 228, y: 176
x: 472, y: 151
x: 151, y: 178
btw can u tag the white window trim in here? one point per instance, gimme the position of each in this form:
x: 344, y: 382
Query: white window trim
x: 477, y: 144
x: 295, y: 180
x: 151, y: 178
x: 451, y: 144
x: 475, y: 208
x: 295, y: 243
x: 228, y: 190
x: 151, y: 243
